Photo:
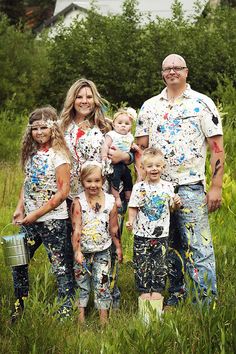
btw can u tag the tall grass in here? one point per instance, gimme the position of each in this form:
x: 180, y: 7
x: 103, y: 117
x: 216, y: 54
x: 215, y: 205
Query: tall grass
x: 189, y: 329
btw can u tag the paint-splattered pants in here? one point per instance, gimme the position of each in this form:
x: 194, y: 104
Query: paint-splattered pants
x: 53, y: 235
x: 150, y: 267
x: 99, y: 265
x: 191, y: 247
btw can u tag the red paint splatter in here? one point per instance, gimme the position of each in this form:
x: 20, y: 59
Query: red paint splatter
x: 196, y: 273
x: 80, y: 133
x: 166, y: 116
x: 216, y: 147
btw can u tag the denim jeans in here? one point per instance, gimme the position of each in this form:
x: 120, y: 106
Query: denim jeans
x: 53, y: 235
x: 99, y: 266
x: 191, y: 248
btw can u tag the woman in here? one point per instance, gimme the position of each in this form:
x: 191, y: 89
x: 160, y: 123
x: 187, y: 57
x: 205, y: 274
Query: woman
x: 85, y: 125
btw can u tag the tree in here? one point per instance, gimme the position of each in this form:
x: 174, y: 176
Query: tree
x: 14, y: 9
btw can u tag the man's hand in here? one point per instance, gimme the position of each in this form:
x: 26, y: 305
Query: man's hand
x: 214, y: 198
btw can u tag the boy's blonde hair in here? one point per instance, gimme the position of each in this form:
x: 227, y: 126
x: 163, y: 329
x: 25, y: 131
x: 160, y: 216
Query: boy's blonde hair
x: 88, y: 168
x: 49, y: 115
x: 151, y: 152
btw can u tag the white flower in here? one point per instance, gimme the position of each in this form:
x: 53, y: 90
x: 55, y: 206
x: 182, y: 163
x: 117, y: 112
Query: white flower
x: 132, y: 113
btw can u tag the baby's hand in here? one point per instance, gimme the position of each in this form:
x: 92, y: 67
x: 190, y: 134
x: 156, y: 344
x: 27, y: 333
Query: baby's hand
x: 129, y: 225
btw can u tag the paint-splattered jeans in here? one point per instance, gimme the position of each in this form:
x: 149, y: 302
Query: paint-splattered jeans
x: 53, y: 235
x: 99, y: 265
x: 150, y: 267
x: 191, y: 247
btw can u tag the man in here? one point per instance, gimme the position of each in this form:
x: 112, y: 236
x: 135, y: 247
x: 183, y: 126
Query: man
x: 182, y: 122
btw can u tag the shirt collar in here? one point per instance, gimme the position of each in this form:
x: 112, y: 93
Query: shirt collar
x: 186, y: 93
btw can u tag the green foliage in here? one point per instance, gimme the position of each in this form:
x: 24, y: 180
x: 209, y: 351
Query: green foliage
x: 11, y: 131
x: 123, y: 53
x: 189, y: 329
x: 23, y: 65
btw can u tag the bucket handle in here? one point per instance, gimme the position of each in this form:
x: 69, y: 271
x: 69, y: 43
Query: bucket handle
x: 11, y: 223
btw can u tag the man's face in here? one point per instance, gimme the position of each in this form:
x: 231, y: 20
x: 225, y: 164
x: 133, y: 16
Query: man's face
x: 174, y: 71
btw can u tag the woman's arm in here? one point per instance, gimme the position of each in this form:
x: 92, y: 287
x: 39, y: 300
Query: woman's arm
x: 114, y: 232
x: 106, y: 146
x: 63, y: 189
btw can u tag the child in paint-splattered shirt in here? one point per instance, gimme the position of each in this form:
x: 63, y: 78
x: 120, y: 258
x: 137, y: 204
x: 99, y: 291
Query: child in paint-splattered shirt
x: 42, y: 207
x: 149, y: 218
x: 95, y: 226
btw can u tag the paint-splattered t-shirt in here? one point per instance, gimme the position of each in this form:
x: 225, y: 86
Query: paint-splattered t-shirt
x: 40, y: 183
x: 180, y: 131
x: 95, y: 236
x: 84, y: 144
x: 153, y: 201
x: 121, y: 141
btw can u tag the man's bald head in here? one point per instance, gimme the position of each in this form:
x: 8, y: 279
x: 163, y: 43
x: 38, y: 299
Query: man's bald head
x: 174, y: 60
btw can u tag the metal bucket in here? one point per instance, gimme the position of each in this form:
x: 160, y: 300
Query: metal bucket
x: 15, y: 250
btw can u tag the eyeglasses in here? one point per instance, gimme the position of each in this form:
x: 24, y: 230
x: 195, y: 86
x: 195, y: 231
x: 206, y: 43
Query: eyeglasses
x: 174, y: 68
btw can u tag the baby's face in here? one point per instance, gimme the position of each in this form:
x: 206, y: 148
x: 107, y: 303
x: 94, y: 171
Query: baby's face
x: 122, y: 124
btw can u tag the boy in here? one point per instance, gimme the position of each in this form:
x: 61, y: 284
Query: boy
x: 149, y: 218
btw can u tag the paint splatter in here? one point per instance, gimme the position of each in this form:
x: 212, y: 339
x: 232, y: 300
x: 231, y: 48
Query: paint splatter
x: 215, y: 120
x: 216, y: 148
x: 217, y: 168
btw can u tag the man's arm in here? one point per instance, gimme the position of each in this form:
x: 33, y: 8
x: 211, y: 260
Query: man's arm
x: 214, y: 195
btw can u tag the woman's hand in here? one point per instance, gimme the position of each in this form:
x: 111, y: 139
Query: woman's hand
x: 117, y: 156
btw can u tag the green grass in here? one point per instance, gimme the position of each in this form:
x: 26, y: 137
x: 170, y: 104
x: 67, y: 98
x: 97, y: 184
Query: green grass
x: 189, y: 329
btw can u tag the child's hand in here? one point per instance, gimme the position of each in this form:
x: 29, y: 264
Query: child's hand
x: 29, y: 219
x: 18, y: 216
x: 177, y: 201
x: 129, y: 225
x: 79, y: 258
x: 119, y: 254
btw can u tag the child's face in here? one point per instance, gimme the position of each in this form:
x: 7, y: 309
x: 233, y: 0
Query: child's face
x: 93, y: 182
x: 122, y: 124
x: 41, y: 134
x: 153, y: 168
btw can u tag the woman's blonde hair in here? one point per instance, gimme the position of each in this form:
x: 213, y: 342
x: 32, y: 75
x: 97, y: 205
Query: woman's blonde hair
x: 29, y: 146
x: 88, y: 169
x: 97, y: 117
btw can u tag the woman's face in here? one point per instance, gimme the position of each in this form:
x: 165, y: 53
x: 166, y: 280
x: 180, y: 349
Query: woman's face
x: 84, y: 102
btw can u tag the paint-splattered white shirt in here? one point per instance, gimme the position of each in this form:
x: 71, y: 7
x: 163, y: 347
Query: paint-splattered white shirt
x: 84, y: 144
x: 121, y: 141
x: 95, y: 236
x: 153, y: 202
x: 40, y: 183
x: 180, y: 131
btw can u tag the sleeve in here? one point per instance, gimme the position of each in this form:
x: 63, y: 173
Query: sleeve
x: 137, y: 197
x: 210, y: 120
x: 142, y: 126
x: 59, y: 159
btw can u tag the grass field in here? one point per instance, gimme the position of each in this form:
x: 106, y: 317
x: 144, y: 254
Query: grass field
x: 189, y: 329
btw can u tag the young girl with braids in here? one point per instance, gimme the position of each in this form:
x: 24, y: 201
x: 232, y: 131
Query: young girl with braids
x: 42, y: 207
